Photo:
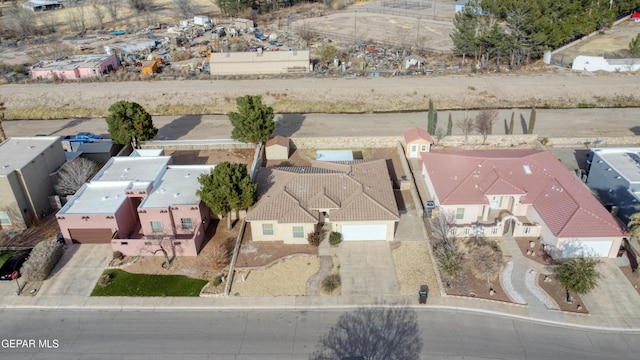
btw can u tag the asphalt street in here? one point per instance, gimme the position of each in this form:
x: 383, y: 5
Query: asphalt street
x: 549, y: 123
x: 289, y: 335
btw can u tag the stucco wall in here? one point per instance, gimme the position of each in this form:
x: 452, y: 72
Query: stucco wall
x: 282, y: 232
x: 613, y: 252
x: 419, y: 143
x: 136, y: 247
x: 277, y: 152
x: 267, y: 62
x: 12, y: 200
x: 391, y: 226
x: 75, y: 221
x: 471, y: 212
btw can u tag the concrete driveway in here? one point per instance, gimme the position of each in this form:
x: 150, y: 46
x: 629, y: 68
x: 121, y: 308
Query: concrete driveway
x: 614, y: 296
x: 366, y: 268
x: 77, y: 271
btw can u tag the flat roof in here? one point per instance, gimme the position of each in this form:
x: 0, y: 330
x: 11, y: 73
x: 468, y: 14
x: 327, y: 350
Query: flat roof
x: 97, y: 198
x: 334, y: 155
x: 72, y: 62
x: 17, y: 152
x: 136, y: 169
x: 178, y: 186
x: 147, y: 152
x: 626, y: 161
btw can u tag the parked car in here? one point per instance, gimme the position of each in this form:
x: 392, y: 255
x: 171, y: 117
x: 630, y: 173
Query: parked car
x: 423, y: 294
x: 275, y: 43
x: 14, y: 263
x: 84, y: 137
x: 260, y: 36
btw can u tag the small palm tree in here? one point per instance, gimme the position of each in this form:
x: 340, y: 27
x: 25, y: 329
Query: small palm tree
x: 578, y: 275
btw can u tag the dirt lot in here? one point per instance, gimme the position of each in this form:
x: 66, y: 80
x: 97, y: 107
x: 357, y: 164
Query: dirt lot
x: 414, y: 268
x: 287, y: 278
x: 238, y: 156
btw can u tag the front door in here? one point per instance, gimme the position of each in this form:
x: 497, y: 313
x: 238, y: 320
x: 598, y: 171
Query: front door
x: 413, y: 152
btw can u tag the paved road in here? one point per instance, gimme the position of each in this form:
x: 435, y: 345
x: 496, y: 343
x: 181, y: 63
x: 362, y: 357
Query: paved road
x: 549, y: 123
x: 290, y: 335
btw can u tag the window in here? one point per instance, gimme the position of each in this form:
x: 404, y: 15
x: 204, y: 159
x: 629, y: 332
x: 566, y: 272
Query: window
x: 459, y: 213
x: 148, y: 243
x: 267, y: 229
x: 124, y: 243
x: 186, y: 223
x: 4, y: 218
x: 423, y: 148
x: 298, y: 231
x: 156, y: 226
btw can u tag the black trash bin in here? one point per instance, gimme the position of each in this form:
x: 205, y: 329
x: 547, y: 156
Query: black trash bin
x: 423, y: 294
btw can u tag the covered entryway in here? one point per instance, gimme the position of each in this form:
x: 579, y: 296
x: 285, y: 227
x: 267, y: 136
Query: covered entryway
x: 90, y: 236
x: 364, y: 232
x: 588, y: 248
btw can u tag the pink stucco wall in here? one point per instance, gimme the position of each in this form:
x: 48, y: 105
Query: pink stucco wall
x: 60, y: 74
x: 75, y: 221
x: 78, y: 72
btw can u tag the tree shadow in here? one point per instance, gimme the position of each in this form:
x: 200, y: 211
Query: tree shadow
x: 70, y: 124
x: 635, y: 130
x: 387, y: 333
x: 523, y: 122
x: 178, y: 127
x: 506, y: 127
x: 288, y: 124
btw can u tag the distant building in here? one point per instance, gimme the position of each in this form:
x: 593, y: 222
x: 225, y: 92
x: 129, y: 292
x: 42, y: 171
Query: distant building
x: 259, y: 62
x: 614, y: 175
x: 42, y: 5
x: 75, y: 67
x: 27, y: 167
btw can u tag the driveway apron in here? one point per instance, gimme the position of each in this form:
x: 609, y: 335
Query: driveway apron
x: 366, y: 268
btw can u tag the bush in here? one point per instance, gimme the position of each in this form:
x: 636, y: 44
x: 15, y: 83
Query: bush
x: 105, y: 280
x: 335, y: 238
x: 331, y: 283
x: 118, y: 255
x: 42, y: 260
x: 314, y: 238
x: 217, y: 281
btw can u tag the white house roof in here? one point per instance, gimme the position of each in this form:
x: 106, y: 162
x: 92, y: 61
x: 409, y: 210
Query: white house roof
x: 177, y: 187
x: 626, y: 161
x: 73, y: 62
x: 136, y: 169
x: 17, y: 152
x: 97, y: 198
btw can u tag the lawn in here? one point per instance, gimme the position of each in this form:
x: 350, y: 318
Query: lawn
x: 4, y: 255
x: 126, y: 284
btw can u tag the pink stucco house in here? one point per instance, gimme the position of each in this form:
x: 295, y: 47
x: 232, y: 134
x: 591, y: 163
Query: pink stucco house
x: 527, y: 193
x: 138, y: 203
x: 75, y: 67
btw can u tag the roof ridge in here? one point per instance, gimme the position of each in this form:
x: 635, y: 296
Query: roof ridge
x: 380, y: 205
x: 300, y: 207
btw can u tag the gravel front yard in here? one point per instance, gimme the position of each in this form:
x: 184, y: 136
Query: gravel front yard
x: 287, y: 278
x: 414, y: 268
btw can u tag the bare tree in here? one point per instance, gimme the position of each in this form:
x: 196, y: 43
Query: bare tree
x: 18, y: 22
x: 484, y: 122
x: 76, y: 18
x: 53, y: 50
x: 186, y: 8
x: 74, y: 174
x: 440, y: 134
x: 3, y: 136
x: 159, y: 242
x: 47, y: 22
x: 112, y: 7
x: 445, y: 245
x: 140, y: 5
x: 486, y: 263
x: 305, y: 32
x: 98, y: 12
x: 466, y: 125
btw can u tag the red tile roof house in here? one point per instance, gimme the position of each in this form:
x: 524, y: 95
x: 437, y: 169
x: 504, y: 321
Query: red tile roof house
x: 136, y: 202
x: 526, y: 192
x: 354, y: 198
x: 416, y: 142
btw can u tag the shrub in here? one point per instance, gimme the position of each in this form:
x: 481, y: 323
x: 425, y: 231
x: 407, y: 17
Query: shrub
x: 118, y: 255
x: 335, y: 238
x: 331, y: 283
x: 105, y: 280
x: 42, y: 259
x: 217, y: 281
x: 544, y: 141
x: 314, y: 238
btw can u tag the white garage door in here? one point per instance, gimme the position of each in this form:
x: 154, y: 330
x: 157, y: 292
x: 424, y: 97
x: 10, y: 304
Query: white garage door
x: 588, y: 248
x: 364, y: 232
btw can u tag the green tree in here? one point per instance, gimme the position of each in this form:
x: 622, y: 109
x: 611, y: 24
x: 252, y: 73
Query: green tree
x: 129, y: 122
x: 327, y: 53
x: 464, y: 34
x: 449, y: 125
x: 431, y: 119
x: 253, y: 123
x: 227, y: 188
x: 512, y: 122
x: 634, y: 225
x: 634, y: 46
x: 532, y: 121
x: 578, y: 275
x: 232, y: 7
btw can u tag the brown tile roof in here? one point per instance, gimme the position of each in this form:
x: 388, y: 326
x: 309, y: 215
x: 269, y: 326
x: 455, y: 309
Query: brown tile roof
x: 360, y: 192
x: 567, y: 206
x: 417, y: 134
x: 278, y: 140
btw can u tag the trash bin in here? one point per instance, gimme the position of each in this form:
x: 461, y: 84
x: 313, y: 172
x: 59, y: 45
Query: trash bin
x: 423, y: 294
x: 428, y: 209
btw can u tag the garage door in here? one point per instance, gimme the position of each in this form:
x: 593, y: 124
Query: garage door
x: 364, y: 232
x: 90, y: 236
x: 588, y: 248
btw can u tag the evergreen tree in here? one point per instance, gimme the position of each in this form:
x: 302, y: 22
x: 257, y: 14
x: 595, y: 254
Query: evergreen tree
x: 532, y: 121
x: 512, y: 122
x: 253, y: 123
x: 634, y: 46
x: 129, y: 122
x: 431, y: 125
x: 449, y: 125
x: 227, y: 188
x: 579, y: 275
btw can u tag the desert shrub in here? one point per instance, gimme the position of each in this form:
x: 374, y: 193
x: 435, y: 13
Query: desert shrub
x: 180, y: 55
x: 217, y: 281
x: 118, y: 255
x: 314, y: 238
x: 105, y: 280
x: 331, y: 283
x: 544, y: 141
x: 42, y: 259
x: 335, y: 238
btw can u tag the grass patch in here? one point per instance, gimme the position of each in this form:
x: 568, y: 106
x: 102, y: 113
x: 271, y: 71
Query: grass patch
x: 49, y: 113
x: 5, y: 255
x: 123, y: 283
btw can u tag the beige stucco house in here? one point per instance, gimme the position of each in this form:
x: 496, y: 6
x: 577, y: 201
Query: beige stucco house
x: 354, y: 198
x: 27, y: 172
x: 416, y: 142
x: 526, y: 193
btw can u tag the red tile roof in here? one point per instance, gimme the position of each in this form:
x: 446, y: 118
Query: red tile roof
x: 567, y: 206
x: 416, y: 134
